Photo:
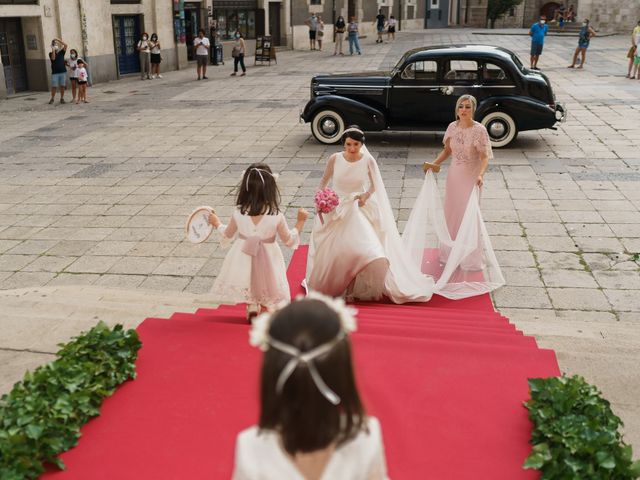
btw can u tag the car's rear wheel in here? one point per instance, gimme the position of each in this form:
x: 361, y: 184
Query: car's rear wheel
x: 501, y: 128
x: 327, y: 126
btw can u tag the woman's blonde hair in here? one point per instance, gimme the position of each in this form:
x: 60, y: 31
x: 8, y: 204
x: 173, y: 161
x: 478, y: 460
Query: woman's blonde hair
x: 474, y: 104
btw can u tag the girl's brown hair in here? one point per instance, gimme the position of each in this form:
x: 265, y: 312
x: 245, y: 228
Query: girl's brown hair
x: 305, y: 420
x: 258, y: 193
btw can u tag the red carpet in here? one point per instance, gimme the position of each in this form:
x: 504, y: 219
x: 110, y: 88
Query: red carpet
x: 447, y: 380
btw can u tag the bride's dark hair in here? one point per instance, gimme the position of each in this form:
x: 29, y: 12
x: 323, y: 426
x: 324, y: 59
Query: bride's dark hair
x: 353, y: 132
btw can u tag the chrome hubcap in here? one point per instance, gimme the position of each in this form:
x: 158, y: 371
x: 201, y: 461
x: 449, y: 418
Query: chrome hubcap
x: 328, y: 126
x: 497, y: 129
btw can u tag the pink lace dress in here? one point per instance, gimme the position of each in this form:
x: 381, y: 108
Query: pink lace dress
x: 467, y: 146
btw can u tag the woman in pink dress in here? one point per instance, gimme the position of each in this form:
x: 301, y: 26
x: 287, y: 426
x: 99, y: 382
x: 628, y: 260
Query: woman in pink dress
x: 467, y: 141
x: 452, y: 244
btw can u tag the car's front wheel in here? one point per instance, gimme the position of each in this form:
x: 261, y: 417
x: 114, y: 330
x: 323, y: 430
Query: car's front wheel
x: 501, y: 128
x: 327, y: 126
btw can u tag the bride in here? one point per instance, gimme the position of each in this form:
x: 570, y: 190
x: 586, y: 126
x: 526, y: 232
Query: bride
x: 356, y: 250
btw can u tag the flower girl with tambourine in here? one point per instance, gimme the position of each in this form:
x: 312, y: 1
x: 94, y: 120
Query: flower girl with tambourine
x: 254, y: 271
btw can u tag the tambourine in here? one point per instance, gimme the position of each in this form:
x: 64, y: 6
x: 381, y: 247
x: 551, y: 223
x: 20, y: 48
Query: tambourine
x: 198, y: 226
x: 430, y: 166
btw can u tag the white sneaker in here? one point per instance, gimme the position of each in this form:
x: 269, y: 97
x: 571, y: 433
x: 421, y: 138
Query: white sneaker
x: 159, y: 76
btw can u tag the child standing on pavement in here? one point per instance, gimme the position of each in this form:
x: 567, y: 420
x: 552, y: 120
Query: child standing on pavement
x: 253, y: 271
x: 72, y: 63
x: 83, y: 78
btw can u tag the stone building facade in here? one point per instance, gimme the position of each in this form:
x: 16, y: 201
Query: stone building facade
x: 104, y: 33
x: 410, y: 14
x: 611, y: 16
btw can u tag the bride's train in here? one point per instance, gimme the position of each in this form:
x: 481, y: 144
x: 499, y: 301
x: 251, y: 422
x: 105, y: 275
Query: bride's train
x: 459, y: 258
x: 357, y: 252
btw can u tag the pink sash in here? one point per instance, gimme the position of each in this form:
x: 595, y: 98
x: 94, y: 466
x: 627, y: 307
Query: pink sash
x: 263, y: 281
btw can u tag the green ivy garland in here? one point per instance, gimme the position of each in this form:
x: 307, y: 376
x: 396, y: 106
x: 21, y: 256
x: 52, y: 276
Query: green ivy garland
x: 42, y: 415
x: 575, y: 434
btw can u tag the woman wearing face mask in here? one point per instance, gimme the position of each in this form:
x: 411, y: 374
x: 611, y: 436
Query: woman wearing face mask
x: 72, y: 64
x: 586, y: 33
x: 238, y: 54
x: 144, y: 47
x: 155, y: 56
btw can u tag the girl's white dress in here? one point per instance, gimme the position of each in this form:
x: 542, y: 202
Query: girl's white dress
x: 234, y: 282
x: 260, y: 456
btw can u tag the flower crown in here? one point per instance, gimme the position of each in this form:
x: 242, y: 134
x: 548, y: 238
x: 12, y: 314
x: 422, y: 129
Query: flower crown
x: 259, y: 337
x: 259, y: 171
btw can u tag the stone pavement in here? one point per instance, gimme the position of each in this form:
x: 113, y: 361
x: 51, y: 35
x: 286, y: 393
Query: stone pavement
x: 93, y: 198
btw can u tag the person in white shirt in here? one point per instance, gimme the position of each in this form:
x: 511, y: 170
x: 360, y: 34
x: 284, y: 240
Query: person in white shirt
x: 201, y: 46
x: 83, y: 78
x: 391, y: 29
x: 72, y: 63
x: 156, y: 58
x: 312, y: 422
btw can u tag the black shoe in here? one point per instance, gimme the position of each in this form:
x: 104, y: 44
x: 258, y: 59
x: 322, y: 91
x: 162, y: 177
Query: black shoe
x: 204, y: 77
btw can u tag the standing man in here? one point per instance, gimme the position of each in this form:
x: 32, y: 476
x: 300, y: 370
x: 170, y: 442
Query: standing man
x: 312, y: 23
x: 201, y: 46
x: 586, y: 33
x: 380, y: 22
x: 58, y: 69
x: 537, y: 33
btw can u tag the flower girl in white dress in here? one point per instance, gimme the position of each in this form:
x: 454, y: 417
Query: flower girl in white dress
x: 312, y: 422
x: 254, y: 271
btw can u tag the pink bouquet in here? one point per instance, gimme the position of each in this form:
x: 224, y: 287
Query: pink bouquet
x: 326, y: 201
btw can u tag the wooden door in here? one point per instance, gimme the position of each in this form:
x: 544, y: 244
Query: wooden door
x: 13, y: 57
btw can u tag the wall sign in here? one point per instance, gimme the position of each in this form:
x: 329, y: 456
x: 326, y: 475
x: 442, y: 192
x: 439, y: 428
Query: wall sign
x: 32, y: 42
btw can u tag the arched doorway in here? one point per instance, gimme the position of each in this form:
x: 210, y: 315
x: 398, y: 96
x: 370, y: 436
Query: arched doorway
x: 549, y: 10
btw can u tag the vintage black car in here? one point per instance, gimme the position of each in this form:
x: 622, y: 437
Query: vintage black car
x: 420, y: 93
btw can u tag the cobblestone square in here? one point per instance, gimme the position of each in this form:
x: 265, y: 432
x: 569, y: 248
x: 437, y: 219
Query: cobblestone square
x: 95, y: 196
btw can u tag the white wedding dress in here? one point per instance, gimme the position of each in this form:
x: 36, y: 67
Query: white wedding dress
x: 357, y: 251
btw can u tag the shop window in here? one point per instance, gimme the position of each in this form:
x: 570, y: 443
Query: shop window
x: 315, y: 2
x: 230, y: 20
